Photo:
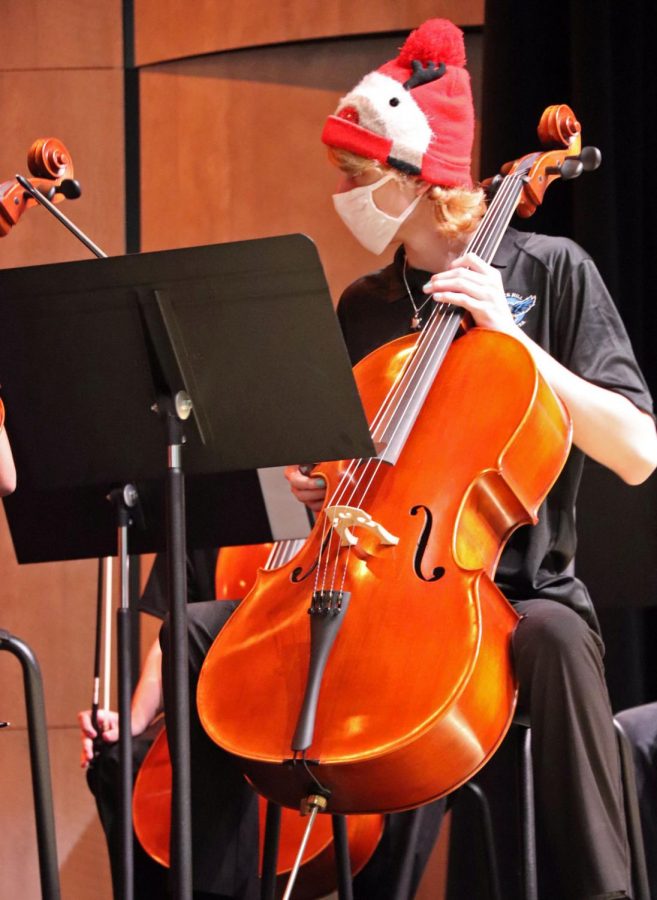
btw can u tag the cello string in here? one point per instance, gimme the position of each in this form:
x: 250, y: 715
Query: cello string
x: 430, y: 344
x: 489, y: 229
x: 372, y: 466
x: 273, y: 554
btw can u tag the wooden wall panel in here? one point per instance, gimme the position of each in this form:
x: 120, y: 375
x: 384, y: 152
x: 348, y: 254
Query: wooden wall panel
x: 85, y: 110
x: 67, y: 34
x: 239, y: 135
x: 83, y: 862
x: 165, y: 30
x: 60, y: 75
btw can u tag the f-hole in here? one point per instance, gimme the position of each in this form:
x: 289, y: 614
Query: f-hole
x: 298, y: 575
x: 423, y: 540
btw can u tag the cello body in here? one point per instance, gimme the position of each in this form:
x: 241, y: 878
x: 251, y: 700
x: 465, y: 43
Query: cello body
x: 151, y: 798
x: 151, y: 807
x: 418, y: 690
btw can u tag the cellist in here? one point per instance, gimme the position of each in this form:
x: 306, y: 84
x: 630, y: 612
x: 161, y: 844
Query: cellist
x: 406, y: 180
x: 402, y: 140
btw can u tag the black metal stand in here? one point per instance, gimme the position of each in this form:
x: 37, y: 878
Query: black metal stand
x: 178, y: 725
x: 124, y: 502
x: 270, y: 852
x: 40, y: 764
x: 211, y: 323
x: 342, y: 861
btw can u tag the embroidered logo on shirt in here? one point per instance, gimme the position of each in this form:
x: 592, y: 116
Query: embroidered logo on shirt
x: 520, y: 306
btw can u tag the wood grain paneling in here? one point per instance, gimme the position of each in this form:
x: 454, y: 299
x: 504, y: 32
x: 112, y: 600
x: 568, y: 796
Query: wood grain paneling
x: 85, y: 110
x: 61, y: 74
x: 68, y: 34
x: 83, y: 861
x: 239, y: 137
x: 167, y: 29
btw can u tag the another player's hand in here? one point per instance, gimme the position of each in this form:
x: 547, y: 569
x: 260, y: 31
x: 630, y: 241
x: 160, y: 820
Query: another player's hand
x: 473, y: 285
x: 108, y: 722
x: 306, y: 488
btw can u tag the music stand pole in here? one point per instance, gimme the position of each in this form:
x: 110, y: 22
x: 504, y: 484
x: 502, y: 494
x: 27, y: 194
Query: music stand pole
x: 173, y: 412
x: 207, y: 320
x: 124, y: 500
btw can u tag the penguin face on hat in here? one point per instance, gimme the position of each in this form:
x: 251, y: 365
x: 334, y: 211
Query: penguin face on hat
x: 382, y: 105
x: 415, y: 112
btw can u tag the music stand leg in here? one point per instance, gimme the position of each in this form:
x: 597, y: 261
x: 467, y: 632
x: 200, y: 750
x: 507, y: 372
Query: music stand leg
x: 270, y: 851
x: 342, y: 861
x: 178, y: 727
x: 39, y: 762
x: 123, y: 501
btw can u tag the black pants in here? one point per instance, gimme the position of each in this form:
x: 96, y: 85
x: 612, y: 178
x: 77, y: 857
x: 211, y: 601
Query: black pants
x: 224, y: 807
x: 150, y: 878
x: 582, y: 839
x: 640, y: 725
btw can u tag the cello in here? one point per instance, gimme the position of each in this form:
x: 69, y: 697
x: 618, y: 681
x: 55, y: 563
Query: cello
x: 151, y: 799
x: 52, y: 167
x: 375, y: 668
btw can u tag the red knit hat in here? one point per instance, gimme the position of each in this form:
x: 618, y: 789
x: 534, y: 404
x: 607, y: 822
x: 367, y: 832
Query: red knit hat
x: 414, y: 113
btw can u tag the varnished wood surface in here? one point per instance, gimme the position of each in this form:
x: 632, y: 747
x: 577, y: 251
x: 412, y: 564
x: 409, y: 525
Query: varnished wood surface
x: 165, y: 30
x: 443, y: 645
x: 237, y: 139
x: 85, y: 110
x: 68, y: 34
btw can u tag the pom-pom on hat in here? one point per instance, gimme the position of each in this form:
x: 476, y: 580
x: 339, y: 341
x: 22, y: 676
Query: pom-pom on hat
x: 414, y: 113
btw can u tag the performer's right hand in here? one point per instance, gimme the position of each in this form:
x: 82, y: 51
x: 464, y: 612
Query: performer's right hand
x: 306, y: 488
x: 108, y: 720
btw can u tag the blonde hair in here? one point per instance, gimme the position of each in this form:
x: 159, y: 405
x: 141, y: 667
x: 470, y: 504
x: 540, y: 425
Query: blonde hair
x: 457, y: 210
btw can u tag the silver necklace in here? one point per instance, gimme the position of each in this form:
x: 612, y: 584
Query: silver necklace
x: 416, y: 321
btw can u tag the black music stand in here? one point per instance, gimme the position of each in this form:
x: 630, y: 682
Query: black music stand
x: 87, y: 349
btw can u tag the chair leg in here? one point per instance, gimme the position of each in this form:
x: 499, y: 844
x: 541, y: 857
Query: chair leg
x: 489, y: 839
x: 641, y: 889
x: 527, y: 817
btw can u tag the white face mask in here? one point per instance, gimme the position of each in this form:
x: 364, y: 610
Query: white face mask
x: 370, y: 226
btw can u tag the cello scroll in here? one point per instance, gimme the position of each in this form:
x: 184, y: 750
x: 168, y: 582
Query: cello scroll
x: 561, y: 134
x: 51, y: 166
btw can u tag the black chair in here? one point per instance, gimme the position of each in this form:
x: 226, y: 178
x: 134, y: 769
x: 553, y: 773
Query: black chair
x: 521, y: 732
x: 40, y: 763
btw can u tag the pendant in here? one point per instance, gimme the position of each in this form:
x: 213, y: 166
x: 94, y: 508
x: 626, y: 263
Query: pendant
x: 415, y: 322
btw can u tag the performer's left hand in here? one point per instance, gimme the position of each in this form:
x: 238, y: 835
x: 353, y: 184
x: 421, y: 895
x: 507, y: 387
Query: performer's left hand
x: 307, y: 489
x: 108, y: 721
x: 473, y: 285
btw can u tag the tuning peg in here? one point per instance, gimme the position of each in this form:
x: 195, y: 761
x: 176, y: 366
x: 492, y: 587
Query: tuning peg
x: 591, y: 158
x: 572, y: 167
x: 70, y: 188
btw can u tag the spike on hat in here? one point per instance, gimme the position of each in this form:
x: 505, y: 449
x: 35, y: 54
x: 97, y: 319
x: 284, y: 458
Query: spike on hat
x: 415, y: 112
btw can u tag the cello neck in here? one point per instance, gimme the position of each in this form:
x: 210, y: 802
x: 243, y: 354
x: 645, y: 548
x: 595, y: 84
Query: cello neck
x: 490, y: 230
x: 397, y: 416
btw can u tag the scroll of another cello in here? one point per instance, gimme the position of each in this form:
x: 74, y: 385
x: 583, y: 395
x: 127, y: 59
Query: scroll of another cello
x: 52, y: 167
x: 401, y: 687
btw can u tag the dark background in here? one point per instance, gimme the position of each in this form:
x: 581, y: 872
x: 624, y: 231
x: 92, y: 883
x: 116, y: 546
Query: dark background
x: 599, y: 58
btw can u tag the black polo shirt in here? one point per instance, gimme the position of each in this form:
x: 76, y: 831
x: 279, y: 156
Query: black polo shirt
x: 558, y: 297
